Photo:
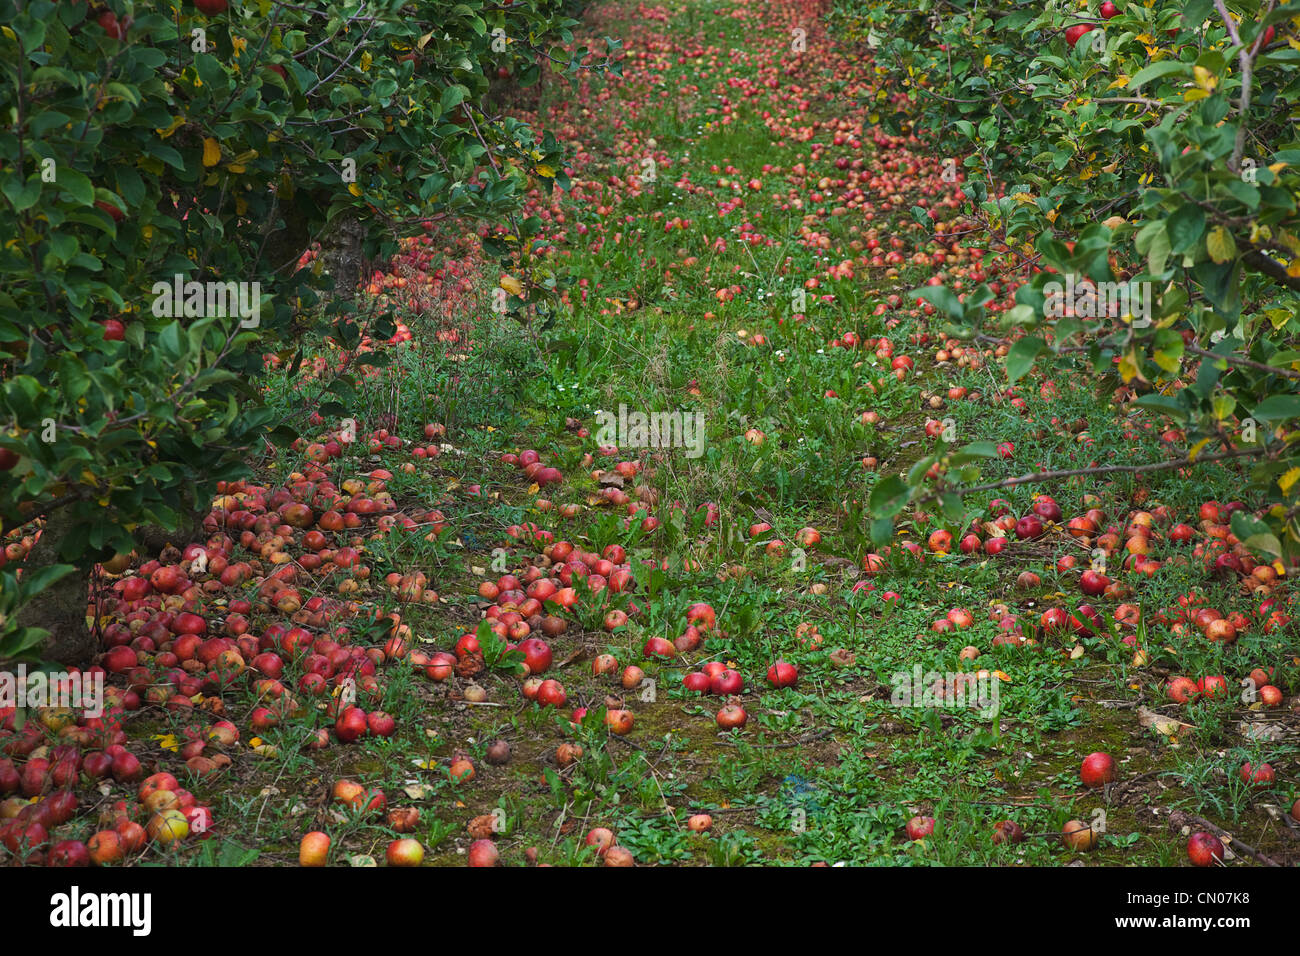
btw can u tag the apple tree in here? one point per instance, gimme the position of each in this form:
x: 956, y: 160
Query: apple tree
x: 1144, y: 148
x: 163, y: 168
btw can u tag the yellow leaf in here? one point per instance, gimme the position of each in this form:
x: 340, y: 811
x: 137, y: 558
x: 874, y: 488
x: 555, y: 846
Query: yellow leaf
x: 1128, y: 367
x: 988, y: 61
x: 366, y: 60
x: 1166, y: 726
x: 545, y: 171
x: 512, y: 285
x: 176, y: 123
x: 1289, y: 479
x: 211, y: 152
x: 1197, y: 449
x: 354, y: 189
x: 1206, y: 80
x: 1219, y: 243
x: 168, y: 742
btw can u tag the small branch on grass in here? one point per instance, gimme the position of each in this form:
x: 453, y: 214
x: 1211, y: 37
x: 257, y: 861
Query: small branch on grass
x: 807, y: 739
x: 1102, y: 470
x: 1113, y: 793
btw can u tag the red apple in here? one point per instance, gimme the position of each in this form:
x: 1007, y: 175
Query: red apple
x: 732, y: 716
x: 727, y: 682
x: 697, y: 682
x: 1093, y: 583
x: 404, y: 852
x: 551, y: 694
x: 918, y: 828
x: 537, y: 654
x: 1098, y: 769
x: 69, y: 853
x: 1260, y: 777
x: 381, y: 724
x: 1181, y: 690
x: 782, y: 674
x: 1072, y: 34
x: 619, y: 856
x: 601, y: 838
x: 1204, y: 849
x: 1029, y: 527
x: 619, y: 722
x: 351, y: 724
x: 483, y: 853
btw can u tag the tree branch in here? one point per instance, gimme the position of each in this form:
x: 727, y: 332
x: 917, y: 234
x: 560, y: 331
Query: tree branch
x: 1271, y: 268
x: 1104, y: 470
x: 1242, y: 362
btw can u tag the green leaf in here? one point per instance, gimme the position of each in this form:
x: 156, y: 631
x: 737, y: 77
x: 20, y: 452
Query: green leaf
x: 77, y: 185
x: 888, y: 497
x: 1186, y: 226
x: 1157, y: 70
x: 1277, y: 408
x: 942, y: 298
x: 1021, y: 356
x: 882, y: 529
x: 1255, y: 534
x: 974, y: 451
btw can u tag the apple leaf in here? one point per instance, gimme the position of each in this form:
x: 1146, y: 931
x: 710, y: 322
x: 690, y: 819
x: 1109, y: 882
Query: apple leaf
x: 882, y: 529
x: 942, y: 298
x: 1021, y: 356
x: 1255, y: 534
x: 888, y: 497
x: 1278, y: 408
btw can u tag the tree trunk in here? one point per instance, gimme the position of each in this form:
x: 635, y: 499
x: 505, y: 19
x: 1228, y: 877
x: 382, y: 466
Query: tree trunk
x: 60, y: 608
x: 342, y: 254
